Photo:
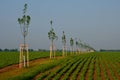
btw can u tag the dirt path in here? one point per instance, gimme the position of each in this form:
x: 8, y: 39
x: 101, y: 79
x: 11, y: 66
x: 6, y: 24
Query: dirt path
x: 16, y: 66
x: 32, y: 63
x: 8, y: 68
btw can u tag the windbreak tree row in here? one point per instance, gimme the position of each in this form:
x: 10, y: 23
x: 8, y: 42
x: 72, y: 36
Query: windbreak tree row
x: 80, y: 46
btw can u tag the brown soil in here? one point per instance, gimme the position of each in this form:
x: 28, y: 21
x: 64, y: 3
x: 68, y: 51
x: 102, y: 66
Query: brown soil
x: 8, y: 68
x: 86, y: 74
x: 94, y: 74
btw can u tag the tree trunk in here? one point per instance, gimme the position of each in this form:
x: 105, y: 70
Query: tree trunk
x: 27, y: 57
x: 66, y: 50
x: 24, y: 47
x: 63, y: 51
x: 71, y: 50
x: 54, y: 51
x: 50, y: 51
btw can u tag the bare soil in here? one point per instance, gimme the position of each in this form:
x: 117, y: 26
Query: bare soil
x: 94, y: 74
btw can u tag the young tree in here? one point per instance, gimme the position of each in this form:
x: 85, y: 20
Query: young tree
x: 80, y: 44
x: 24, y: 24
x: 71, y: 44
x: 64, y: 44
x: 77, y: 46
x: 52, y: 36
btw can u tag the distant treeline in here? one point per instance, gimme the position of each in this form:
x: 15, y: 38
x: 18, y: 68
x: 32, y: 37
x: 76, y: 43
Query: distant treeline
x: 12, y: 50
x: 15, y: 50
x: 111, y: 50
x: 8, y: 49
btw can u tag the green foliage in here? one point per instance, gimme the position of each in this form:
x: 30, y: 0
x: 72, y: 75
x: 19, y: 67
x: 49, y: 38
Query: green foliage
x: 24, y: 22
x: 77, y: 43
x: 71, y: 42
x: 63, y: 38
x: 52, y: 35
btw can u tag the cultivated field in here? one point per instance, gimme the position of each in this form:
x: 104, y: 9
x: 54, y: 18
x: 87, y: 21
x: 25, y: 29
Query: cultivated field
x: 88, y: 66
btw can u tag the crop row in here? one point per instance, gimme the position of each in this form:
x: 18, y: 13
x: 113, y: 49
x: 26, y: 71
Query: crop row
x: 97, y: 67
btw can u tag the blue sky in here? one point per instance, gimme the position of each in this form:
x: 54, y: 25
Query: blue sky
x: 96, y: 22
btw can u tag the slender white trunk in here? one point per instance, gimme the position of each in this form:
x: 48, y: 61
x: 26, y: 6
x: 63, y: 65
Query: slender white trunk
x: 66, y: 50
x: 71, y: 49
x: 27, y: 58
x: 63, y: 50
x: 20, y: 59
x: 50, y: 51
x: 54, y: 51
x: 24, y: 61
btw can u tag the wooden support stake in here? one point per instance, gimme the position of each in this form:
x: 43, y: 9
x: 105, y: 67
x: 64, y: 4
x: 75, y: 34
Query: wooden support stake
x: 24, y: 56
x: 66, y: 50
x: 54, y: 51
x: 50, y: 51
